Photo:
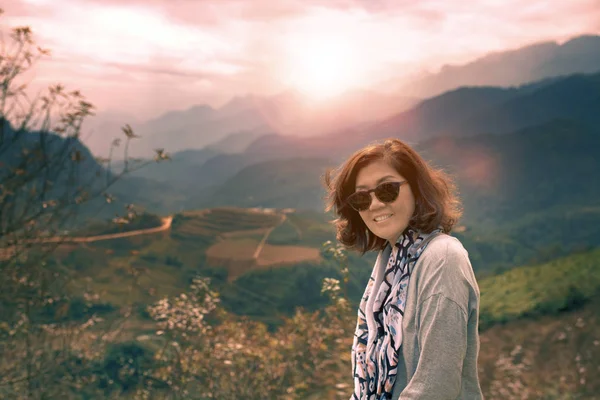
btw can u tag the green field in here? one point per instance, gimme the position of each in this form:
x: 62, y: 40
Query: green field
x: 557, y: 286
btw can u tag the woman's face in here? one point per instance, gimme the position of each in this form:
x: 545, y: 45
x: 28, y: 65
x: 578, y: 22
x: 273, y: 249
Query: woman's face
x: 386, y: 221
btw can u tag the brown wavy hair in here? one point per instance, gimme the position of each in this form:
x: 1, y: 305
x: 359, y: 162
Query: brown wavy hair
x: 436, y: 203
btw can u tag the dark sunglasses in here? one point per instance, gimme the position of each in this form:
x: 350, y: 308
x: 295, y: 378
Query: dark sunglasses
x: 386, y: 192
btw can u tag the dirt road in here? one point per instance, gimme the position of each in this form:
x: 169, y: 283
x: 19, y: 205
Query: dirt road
x: 166, y: 224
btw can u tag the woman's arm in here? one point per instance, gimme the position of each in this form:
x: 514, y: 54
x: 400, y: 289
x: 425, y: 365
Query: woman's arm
x: 442, y: 315
x: 443, y: 345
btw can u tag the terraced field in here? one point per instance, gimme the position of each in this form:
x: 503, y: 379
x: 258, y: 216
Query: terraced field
x: 214, y: 222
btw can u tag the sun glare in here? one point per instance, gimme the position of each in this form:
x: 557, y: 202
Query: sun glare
x: 323, y: 68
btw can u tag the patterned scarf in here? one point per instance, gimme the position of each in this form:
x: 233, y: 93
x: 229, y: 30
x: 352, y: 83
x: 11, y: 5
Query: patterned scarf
x: 375, y: 354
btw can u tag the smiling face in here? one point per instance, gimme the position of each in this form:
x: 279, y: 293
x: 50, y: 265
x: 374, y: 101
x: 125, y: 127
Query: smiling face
x: 386, y: 221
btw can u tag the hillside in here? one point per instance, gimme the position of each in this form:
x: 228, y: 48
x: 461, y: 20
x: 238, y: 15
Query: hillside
x: 278, y: 183
x: 221, y: 243
x: 549, y: 357
x: 564, y: 284
x: 521, y: 203
x: 467, y: 111
x: 540, y: 327
x: 473, y: 111
x: 200, y: 178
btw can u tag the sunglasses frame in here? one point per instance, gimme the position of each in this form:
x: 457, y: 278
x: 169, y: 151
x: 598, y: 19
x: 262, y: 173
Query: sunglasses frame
x: 374, y: 190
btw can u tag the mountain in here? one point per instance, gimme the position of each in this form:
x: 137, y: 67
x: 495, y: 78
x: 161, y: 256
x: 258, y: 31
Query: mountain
x: 524, y: 117
x: 99, y: 131
x: 42, y: 166
x: 175, y: 171
x: 503, y: 177
x: 472, y: 111
x: 528, y: 195
x: 235, y: 142
x: 465, y: 111
x: 194, y: 128
x: 459, y: 113
x: 55, y: 173
x: 289, y: 183
x: 247, y: 117
x: 515, y: 67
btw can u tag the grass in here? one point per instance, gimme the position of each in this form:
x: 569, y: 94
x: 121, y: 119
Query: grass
x: 232, y: 250
x: 314, y: 228
x: 278, y: 255
x: 286, y: 233
x: 560, y: 285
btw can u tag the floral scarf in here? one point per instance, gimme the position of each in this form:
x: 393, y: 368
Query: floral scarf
x: 375, y: 353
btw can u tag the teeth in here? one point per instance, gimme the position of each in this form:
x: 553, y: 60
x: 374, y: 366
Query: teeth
x: 382, y: 218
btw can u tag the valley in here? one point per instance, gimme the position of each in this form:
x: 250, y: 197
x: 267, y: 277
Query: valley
x: 217, y: 259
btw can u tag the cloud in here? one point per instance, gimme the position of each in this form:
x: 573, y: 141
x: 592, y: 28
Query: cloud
x: 206, y: 50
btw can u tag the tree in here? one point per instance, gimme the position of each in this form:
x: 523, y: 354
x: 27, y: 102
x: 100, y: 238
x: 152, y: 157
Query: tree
x: 48, y: 179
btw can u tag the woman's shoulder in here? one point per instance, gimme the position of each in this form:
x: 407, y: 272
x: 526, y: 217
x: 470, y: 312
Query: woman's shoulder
x: 444, y: 268
x: 444, y: 246
x: 447, y: 256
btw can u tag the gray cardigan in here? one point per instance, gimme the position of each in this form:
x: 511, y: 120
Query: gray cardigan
x: 440, y: 343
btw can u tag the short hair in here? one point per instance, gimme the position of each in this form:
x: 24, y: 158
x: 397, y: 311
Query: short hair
x: 436, y: 203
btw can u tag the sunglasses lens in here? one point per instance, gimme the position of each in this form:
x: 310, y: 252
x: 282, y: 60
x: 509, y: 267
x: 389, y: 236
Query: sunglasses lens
x: 360, y: 201
x: 387, y: 192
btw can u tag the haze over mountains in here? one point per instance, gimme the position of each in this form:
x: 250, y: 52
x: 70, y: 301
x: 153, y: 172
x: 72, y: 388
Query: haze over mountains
x: 464, y: 112
x: 516, y: 67
x: 236, y: 155
x: 525, y: 158
x: 289, y: 113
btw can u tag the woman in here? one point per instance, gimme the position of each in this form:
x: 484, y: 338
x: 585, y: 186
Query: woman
x: 416, y: 335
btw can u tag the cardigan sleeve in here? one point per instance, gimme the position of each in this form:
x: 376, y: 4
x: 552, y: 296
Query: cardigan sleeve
x: 442, y: 325
x: 443, y: 345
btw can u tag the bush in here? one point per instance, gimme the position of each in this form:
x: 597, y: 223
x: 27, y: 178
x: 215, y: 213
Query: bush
x: 125, y: 367
x: 574, y: 300
x: 76, y: 310
x: 173, y: 261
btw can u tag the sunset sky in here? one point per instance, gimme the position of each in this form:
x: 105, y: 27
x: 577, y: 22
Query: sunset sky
x: 144, y: 57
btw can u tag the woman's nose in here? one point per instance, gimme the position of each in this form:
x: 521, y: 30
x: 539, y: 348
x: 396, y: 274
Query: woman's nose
x: 375, y: 202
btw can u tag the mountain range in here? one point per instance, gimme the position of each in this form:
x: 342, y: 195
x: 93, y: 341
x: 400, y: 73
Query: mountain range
x: 460, y: 113
x: 535, y: 62
x: 266, y: 168
x: 289, y: 113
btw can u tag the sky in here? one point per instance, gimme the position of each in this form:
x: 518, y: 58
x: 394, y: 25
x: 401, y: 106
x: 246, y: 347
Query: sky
x: 144, y: 57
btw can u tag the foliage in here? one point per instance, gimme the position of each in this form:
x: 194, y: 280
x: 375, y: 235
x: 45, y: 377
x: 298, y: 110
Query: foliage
x: 284, y: 234
x: 561, y: 285
x: 202, y: 357
x: 48, y: 179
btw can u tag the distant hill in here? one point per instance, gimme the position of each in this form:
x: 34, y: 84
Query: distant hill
x: 472, y: 111
x: 532, y: 191
x: 285, y: 183
x: 506, y: 177
x: 465, y: 111
x: 45, y: 163
x: 234, y: 143
x: 246, y: 117
x: 515, y: 67
x: 539, y: 127
x: 524, y: 292
x: 176, y: 170
x: 90, y: 175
